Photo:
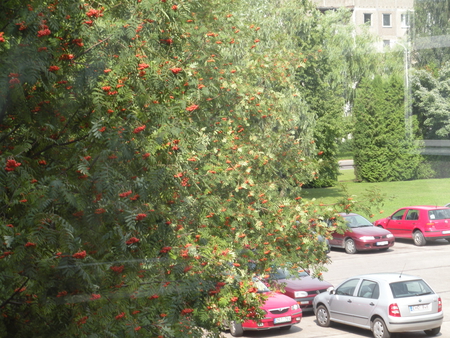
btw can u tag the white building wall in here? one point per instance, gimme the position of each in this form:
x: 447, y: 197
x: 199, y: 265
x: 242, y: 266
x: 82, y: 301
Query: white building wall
x: 395, y: 8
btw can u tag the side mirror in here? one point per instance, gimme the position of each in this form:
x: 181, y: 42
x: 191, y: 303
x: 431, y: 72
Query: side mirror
x: 331, y: 290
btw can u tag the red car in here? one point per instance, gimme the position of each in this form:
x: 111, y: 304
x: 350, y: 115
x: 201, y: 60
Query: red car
x: 361, y: 235
x: 302, y: 287
x: 281, y: 312
x: 420, y: 222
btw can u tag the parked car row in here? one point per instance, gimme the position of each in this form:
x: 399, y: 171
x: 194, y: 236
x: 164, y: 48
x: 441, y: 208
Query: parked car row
x: 421, y: 223
x: 288, y: 296
x: 383, y: 303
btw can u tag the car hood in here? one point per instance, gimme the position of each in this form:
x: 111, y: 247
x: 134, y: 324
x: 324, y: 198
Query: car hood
x: 370, y: 231
x: 304, y: 284
x: 381, y: 221
x: 277, y: 300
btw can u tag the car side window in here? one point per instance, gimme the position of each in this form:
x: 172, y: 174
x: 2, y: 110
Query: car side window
x: 348, y: 288
x: 413, y: 215
x: 398, y: 215
x: 369, y: 289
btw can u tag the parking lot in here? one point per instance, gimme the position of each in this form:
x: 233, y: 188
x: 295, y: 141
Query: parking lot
x: 431, y: 262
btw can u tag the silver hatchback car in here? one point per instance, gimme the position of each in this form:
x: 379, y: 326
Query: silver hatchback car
x: 382, y: 303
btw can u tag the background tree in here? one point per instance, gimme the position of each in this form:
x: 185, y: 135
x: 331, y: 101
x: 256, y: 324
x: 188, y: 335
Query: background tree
x: 383, y: 151
x: 337, y: 61
x: 431, y: 104
x: 430, y: 26
x: 150, y: 149
x: 431, y: 109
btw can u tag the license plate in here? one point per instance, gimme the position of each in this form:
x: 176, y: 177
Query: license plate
x: 282, y: 320
x: 383, y: 243
x: 446, y: 232
x: 419, y: 308
x: 305, y: 302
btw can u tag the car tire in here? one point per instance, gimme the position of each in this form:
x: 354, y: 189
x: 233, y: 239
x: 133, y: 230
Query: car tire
x: 433, y: 332
x: 419, y: 238
x: 323, y: 316
x: 379, y: 329
x: 236, y: 329
x: 350, y: 246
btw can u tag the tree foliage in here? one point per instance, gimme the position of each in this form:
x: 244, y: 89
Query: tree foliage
x: 431, y: 104
x: 383, y: 150
x: 429, y: 33
x: 150, y: 150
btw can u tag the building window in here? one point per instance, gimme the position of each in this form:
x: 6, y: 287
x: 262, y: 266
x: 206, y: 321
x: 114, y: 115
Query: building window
x: 405, y: 20
x: 386, y: 20
x: 386, y: 43
x: 368, y: 18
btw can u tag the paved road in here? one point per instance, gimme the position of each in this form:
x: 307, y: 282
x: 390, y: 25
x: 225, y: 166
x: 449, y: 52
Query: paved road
x: 346, y: 164
x: 431, y: 262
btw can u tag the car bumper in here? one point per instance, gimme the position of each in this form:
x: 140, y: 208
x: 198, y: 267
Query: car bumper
x: 433, y: 234
x: 306, y: 304
x: 268, y: 323
x: 415, y: 323
x: 374, y: 245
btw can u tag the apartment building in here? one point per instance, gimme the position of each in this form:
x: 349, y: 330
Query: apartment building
x: 388, y: 19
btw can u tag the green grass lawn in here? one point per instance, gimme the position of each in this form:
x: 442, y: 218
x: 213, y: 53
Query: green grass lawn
x: 397, y: 194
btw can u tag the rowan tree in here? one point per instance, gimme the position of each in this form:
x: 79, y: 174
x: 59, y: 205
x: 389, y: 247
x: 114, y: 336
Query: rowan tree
x: 150, y: 151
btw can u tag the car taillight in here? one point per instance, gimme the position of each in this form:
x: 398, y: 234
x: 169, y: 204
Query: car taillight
x: 439, y: 304
x: 394, y: 311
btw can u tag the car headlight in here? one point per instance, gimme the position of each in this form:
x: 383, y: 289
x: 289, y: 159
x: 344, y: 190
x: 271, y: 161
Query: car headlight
x: 300, y: 294
x: 367, y: 238
x: 295, y: 307
x: 389, y: 235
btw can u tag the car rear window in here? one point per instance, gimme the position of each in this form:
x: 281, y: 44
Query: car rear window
x: 410, y: 288
x: 439, y: 214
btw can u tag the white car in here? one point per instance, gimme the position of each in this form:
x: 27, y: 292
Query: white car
x: 382, y: 303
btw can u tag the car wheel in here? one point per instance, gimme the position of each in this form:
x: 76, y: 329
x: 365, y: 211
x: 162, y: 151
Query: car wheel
x: 419, y: 238
x: 433, y: 332
x: 236, y: 329
x: 286, y: 327
x: 350, y: 247
x: 323, y: 316
x: 379, y: 329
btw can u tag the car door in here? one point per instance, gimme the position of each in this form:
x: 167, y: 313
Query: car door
x: 341, y: 301
x: 336, y: 238
x: 365, y: 302
x: 394, y: 225
x: 409, y: 222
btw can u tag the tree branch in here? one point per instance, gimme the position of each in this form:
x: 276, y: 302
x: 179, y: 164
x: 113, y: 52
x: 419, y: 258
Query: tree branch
x: 14, y: 294
x: 92, y: 47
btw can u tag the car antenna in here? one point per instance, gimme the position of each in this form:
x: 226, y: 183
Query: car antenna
x: 401, y: 273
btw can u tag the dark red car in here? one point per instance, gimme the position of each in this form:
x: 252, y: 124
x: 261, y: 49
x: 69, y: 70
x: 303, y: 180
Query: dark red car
x: 302, y: 287
x: 422, y: 223
x: 361, y: 235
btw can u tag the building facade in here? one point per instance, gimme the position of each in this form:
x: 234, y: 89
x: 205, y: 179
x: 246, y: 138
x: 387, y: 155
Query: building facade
x: 388, y: 19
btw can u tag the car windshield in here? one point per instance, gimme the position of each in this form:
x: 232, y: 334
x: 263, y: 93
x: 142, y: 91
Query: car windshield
x: 260, y: 286
x: 410, y: 288
x: 357, y: 221
x: 285, y: 274
x: 439, y: 214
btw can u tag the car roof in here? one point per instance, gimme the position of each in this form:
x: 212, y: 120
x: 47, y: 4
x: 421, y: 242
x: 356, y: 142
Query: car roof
x: 389, y: 277
x: 349, y: 214
x: 424, y: 207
